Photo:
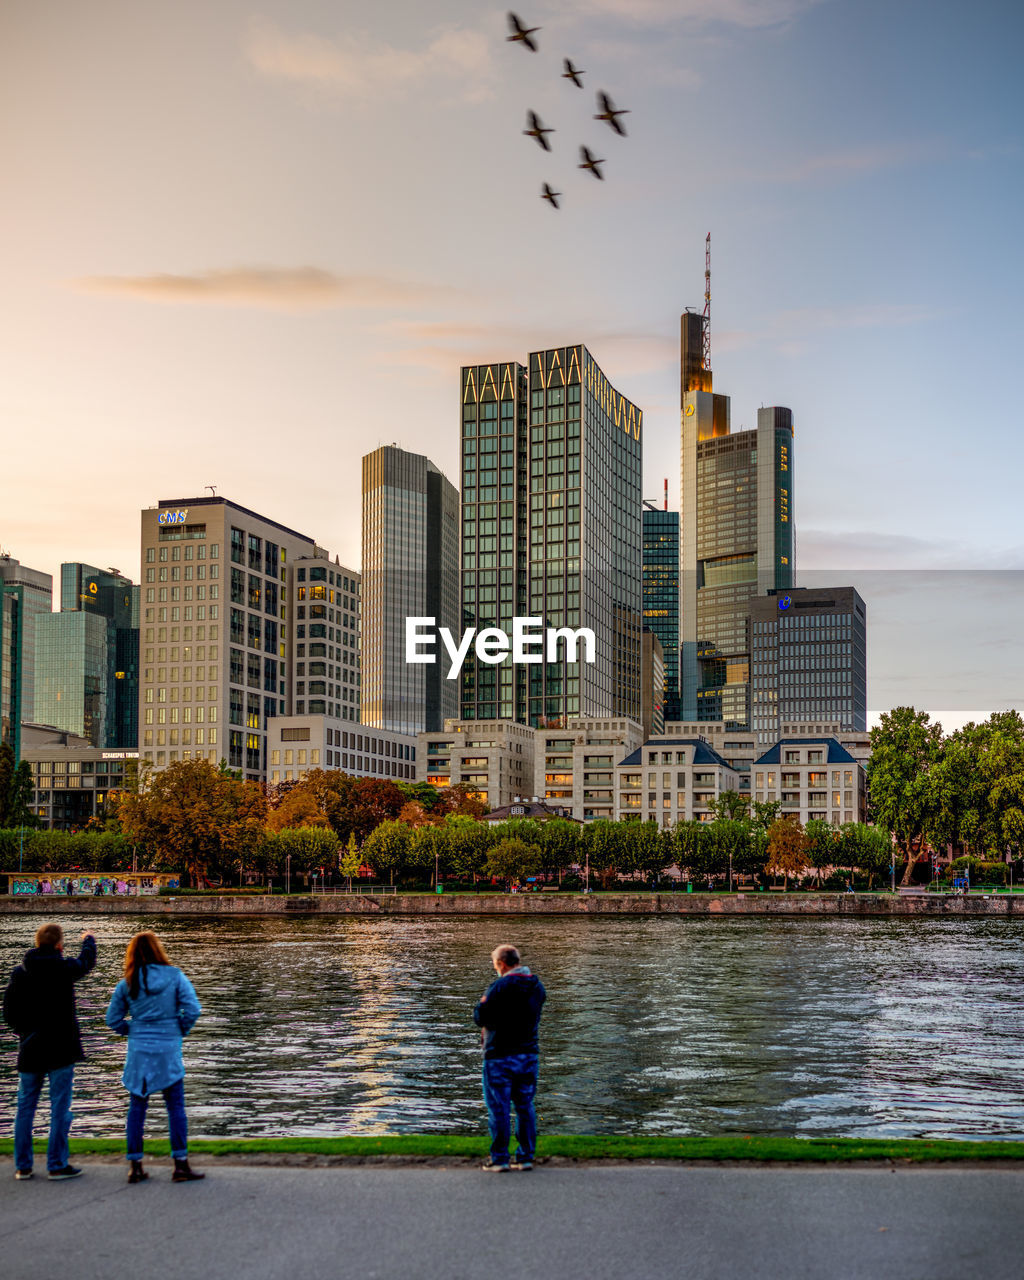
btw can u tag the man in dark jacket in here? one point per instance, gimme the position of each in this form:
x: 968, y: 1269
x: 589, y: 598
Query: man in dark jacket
x: 509, y: 1015
x: 39, y: 1004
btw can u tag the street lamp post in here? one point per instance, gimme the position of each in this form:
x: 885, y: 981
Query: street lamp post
x: 21, y: 850
x: 287, y: 873
x: 586, y: 874
x: 730, y: 871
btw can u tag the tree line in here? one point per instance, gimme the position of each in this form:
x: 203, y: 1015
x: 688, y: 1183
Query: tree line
x: 927, y: 790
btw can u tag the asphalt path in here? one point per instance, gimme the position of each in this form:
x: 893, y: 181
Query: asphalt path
x: 570, y: 1223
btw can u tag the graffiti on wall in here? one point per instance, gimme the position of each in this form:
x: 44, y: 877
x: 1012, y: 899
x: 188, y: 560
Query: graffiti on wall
x: 96, y: 886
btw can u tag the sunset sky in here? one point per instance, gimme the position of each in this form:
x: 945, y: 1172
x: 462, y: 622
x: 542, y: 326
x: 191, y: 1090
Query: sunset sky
x: 242, y: 246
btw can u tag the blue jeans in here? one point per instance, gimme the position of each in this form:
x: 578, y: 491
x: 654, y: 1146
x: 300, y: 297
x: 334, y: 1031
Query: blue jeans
x: 511, y: 1082
x: 30, y: 1086
x: 174, y: 1099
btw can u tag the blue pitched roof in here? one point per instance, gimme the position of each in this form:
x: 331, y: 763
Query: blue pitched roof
x: 703, y: 753
x: 836, y: 754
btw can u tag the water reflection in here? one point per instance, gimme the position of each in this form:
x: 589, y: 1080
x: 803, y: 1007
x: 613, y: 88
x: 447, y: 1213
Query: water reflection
x: 814, y: 1027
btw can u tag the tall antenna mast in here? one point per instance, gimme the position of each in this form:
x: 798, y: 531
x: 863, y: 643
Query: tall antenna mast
x: 705, y: 361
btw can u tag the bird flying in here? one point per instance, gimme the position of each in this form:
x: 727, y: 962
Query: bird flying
x: 550, y: 196
x: 537, y: 130
x: 572, y: 73
x: 610, y: 114
x: 587, y: 161
x: 521, y: 34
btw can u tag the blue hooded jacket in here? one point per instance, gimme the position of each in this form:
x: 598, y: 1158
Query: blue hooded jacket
x: 165, y: 1009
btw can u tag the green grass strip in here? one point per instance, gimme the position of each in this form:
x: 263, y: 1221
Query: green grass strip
x: 585, y: 1147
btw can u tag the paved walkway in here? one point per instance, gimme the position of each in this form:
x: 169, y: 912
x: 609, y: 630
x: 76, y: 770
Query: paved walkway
x: 584, y: 1223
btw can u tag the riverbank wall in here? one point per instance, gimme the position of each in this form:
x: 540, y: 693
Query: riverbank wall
x: 997, y: 905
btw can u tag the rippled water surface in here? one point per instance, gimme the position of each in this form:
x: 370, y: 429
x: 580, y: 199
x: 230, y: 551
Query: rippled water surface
x: 812, y: 1027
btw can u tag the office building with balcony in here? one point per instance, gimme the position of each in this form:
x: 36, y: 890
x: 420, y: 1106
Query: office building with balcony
x: 25, y: 595
x: 495, y: 759
x: 325, y: 673
x: 574, y: 767
x: 551, y: 529
x: 410, y: 541
x: 669, y: 780
x: 809, y: 659
x: 812, y: 778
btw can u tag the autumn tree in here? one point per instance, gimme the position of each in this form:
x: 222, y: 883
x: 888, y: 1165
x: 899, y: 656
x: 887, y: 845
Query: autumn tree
x: 207, y: 823
x: 787, y: 850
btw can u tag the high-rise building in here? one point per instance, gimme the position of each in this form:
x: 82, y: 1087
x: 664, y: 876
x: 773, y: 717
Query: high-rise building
x: 652, y: 666
x: 551, y: 500
x: 661, y: 595
x: 325, y: 673
x: 809, y: 659
x: 24, y: 595
x: 736, y: 534
x: 410, y: 569
x: 210, y: 681
x: 87, y: 658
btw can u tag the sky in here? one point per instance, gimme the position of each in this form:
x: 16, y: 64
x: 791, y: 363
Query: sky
x: 244, y: 244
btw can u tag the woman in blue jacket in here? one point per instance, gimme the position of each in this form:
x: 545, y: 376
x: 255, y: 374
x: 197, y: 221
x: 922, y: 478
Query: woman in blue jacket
x: 154, y: 1005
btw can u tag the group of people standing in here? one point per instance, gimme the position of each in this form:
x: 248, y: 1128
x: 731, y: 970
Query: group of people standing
x: 155, y: 1006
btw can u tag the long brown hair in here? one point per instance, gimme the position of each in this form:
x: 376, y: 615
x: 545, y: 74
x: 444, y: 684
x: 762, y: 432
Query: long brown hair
x: 145, y: 948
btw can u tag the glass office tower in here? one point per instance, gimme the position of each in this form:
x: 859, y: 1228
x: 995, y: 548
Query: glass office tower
x: 736, y: 536
x: 410, y: 569
x: 25, y: 594
x: 87, y: 668
x: 661, y: 596
x: 551, y: 501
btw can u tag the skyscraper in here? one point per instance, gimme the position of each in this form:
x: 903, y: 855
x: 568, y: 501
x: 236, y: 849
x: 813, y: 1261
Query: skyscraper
x: 736, y: 533
x: 24, y: 595
x: 410, y: 569
x: 211, y: 681
x: 87, y: 658
x: 551, y: 497
x: 809, y: 659
x: 661, y: 595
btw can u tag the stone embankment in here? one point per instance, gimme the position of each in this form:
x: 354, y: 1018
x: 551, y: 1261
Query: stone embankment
x: 996, y: 905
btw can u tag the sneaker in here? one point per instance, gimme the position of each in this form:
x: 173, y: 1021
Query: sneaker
x: 22, y: 1175
x: 524, y: 1165
x: 59, y: 1175
x: 494, y: 1168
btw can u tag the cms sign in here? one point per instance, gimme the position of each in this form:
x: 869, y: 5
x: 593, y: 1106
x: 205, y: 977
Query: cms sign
x: 172, y: 517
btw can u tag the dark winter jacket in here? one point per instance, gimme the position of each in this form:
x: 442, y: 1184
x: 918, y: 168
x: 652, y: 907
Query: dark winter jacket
x: 510, y: 1013
x: 39, y: 1004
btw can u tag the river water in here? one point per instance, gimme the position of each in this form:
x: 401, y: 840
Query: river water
x: 321, y: 1025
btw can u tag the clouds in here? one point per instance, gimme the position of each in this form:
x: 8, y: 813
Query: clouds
x: 359, y: 67
x: 277, y: 288
x: 735, y: 13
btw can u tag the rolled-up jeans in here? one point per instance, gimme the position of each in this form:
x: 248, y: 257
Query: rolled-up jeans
x: 30, y: 1085
x: 509, y: 1082
x: 174, y: 1100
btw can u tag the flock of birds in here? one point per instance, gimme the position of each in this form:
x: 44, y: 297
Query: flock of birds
x: 607, y: 111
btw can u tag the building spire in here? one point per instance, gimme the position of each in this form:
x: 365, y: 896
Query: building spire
x: 705, y: 362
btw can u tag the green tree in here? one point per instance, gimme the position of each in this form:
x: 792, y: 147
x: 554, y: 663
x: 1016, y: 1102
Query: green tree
x: 469, y: 842
x: 867, y: 848
x: 388, y: 848
x: 560, y: 840
x: 512, y: 859
x: 15, y: 790
x: 647, y: 849
x: 905, y: 748
x: 731, y: 806
x: 765, y: 812
x: 823, y: 846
